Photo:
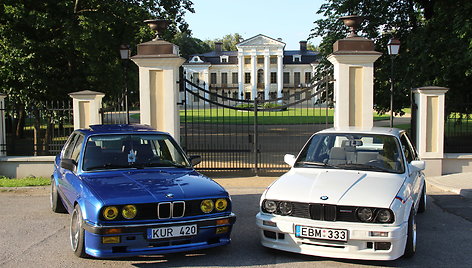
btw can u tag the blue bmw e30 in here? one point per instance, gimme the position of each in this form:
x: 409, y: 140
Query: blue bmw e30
x: 131, y: 190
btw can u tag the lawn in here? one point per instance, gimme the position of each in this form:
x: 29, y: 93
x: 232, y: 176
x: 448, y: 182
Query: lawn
x: 22, y: 182
x: 287, y: 117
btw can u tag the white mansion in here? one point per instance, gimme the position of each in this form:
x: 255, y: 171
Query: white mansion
x: 260, y: 66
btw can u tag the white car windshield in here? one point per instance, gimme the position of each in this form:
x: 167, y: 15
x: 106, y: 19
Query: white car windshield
x: 131, y: 151
x: 353, y: 151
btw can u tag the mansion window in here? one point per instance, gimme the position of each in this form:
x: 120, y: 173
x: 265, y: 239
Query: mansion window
x: 196, y: 78
x: 273, y: 78
x: 247, y: 60
x: 273, y: 60
x: 297, y: 58
x: 286, y: 78
x: 213, y: 78
x: 247, y: 78
x: 286, y: 94
x: 223, y: 59
x: 296, y: 78
x: 235, y: 95
x: 307, y: 77
x: 260, y: 60
x: 297, y: 96
x: 247, y: 95
x: 234, y: 78
x: 273, y: 95
x: 224, y: 78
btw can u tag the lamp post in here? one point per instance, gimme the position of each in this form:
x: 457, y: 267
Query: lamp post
x: 393, y: 48
x: 124, y: 54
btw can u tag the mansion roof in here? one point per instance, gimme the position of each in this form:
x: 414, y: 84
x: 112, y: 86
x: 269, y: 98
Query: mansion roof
x: 261, y: 42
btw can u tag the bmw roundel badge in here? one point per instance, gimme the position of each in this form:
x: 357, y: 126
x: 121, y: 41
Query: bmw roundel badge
x: 170, y: 195
x: 324, y: 197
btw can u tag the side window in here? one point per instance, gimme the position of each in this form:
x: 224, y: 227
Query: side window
x: 69, y: 146
x: 407, y: 148
x: 77, y: 148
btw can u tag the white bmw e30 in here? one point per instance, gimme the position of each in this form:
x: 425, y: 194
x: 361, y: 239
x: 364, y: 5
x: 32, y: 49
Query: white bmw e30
x: 349, y: 194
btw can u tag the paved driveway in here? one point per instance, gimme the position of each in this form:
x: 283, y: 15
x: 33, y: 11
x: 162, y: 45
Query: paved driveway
x: 33, y: 236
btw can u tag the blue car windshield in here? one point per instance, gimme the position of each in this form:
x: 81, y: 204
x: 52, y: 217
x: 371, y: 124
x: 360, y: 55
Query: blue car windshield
x: 104, y: 152
x: 353, y: 151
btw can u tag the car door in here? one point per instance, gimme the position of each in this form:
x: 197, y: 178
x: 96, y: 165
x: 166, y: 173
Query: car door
x: 69, y: 177
x: 415, y: 177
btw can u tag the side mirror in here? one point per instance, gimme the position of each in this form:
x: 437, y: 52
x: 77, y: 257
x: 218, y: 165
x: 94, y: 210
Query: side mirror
x: 417, y: 165
x: 68, y: 164
x: 290, y: 159
x: 195, y: 159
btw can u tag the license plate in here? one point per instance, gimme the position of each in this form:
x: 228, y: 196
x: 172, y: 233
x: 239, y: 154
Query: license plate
x: 171, y: 231
x: 321, y: 233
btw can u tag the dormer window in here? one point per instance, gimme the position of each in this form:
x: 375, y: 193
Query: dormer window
x: 297, y: 58
x: 224, y: 59
x: 196, y: 59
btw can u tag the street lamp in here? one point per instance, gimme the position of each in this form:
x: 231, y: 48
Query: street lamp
x: 124, y: 54
x: 393, y: 48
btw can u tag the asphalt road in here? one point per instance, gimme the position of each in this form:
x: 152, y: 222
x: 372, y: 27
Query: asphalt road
x: 33, y: 236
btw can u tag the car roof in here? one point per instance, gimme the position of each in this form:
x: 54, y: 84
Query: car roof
x: 119, y: 129
x: 375, y: 130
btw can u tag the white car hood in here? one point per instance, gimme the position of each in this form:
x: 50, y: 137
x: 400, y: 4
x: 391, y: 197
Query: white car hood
x: 342, y: 187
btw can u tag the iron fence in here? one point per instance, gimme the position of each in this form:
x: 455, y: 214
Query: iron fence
x: 458, y: 128
x: 252, y: 135
x: 37, y: 129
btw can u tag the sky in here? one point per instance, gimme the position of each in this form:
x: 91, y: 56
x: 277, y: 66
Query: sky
x: 290, y: 20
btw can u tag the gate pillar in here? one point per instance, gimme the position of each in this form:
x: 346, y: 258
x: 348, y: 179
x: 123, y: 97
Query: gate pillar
x: 353, y: 59
x: 86, y: 108
x: 3, y: 137
x: 159, y: 63
x: 430, y: 127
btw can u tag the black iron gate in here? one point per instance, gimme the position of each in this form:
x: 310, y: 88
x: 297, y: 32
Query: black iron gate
x: 253, y: 135
x: 37, y: 129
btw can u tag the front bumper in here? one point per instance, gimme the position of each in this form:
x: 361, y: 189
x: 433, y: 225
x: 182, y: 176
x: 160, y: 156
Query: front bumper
x: 360, y: 243
x: 134, y: 241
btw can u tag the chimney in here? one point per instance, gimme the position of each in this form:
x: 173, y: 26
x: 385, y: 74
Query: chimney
x: 218, y: 46
x: 303, y: 46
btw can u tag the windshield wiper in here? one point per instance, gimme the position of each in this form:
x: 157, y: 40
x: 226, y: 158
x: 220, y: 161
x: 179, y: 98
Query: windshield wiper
x: 112, y: 166
x: 365, y: 167
x: 318, y: 164
x: 163, y: 164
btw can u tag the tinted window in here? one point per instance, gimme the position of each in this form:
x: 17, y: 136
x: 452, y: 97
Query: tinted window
x: 353, y: 151
x: 410, y: 153
x: 132, y: 151
x: 69, y: 146
x: 77, y: 148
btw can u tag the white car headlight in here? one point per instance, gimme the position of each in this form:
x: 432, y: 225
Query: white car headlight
x: 270, y: 206
x: 384, y: 215
x: 285, y: 208
x: 365, y: 214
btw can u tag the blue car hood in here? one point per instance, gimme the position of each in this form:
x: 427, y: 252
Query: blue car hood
x: 148, y: 186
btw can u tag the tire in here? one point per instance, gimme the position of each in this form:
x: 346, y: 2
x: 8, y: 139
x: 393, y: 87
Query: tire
x: 422, y: 204
x: 77, y: 235
x: 56, y: 201
x: 410, y: 247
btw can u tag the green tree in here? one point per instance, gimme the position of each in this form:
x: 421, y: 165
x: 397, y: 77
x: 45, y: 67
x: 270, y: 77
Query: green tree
x: 49, y: 48
x: 189, y: 45
x: 229, y: 42
x: 435, y: 43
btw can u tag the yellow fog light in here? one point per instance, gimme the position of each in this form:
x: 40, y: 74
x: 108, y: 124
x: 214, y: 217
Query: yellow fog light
x: 110, y: 213
x: 113, y: 231
x: 207, y: 206
x: 129, y: 212
x: 221, y: 204
x: 222, y: 222
x: 222, y: 230
x: 110, y: 239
